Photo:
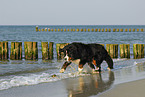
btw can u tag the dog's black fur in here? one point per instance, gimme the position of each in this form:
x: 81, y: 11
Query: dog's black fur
x: 93, y: 54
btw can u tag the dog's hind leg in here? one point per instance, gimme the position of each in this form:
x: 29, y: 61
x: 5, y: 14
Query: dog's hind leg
x: 94, y: 70
x: 91, y: 65
x: 81, y: 64
x: 109, y: 61
x: 97, y: 63
x: 63, y: 68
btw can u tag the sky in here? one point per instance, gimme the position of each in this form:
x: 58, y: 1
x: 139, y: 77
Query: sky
x: 72, y: 12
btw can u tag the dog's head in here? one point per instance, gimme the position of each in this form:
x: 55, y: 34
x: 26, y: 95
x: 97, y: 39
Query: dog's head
x: 70, y: 52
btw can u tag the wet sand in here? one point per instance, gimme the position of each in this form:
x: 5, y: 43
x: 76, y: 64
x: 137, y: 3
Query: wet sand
x: 130, y: 89
x: 125, y: 82
x: 83, y: 86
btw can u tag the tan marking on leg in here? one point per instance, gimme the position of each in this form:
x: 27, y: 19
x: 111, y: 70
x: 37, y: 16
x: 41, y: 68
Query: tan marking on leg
x: 94, y: 62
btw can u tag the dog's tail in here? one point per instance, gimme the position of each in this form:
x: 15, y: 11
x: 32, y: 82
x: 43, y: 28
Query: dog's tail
x: 109, y: 61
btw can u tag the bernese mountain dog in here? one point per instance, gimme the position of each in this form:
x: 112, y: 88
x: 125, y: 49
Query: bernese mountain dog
x: 93, y: 54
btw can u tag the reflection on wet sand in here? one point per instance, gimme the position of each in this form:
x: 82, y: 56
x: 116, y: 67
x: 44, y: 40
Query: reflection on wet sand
x: 88, y: 85
x: 140, y: 67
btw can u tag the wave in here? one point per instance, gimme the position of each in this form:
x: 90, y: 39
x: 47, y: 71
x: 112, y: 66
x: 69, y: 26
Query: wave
x: 32, y: 78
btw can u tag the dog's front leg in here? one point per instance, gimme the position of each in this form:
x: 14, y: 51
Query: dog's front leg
x: 63, y: 68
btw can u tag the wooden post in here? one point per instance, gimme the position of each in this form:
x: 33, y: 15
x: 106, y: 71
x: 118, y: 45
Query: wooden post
x: 71, y: 30
x: 16, y: 51
x: 45, y: 54
x: 142, y: 30
x: 35, y: 51
x: 60, y: 46
x: 133, y: 30
x: 64, y: 30
x: 138, y: 51
x: 114, y: 30
x: 45, y: 29
x: 81, y: 30
x: 57, y: 50
x: 52, y: 30
x: 88, y: 30
x: 74, y: 30
x: 77, y: 30
x: 1, y: 50
x: 121, y: 30
x: 31, y: 50
x: 96, y: 30
x: 126, y: 30
x: 42, y: 29
x: 51, y: 50
x: 124, y: 50
x: 99, y: 30
x: 112, y: 49
x: 4, y: 50
x: 36, y: 28
x: 117, y: 30
x: 109, y: 30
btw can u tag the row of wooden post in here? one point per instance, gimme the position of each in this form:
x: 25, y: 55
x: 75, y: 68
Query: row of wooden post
x: 112, y: 49
x: 90, y: 30
x: 31, y: 50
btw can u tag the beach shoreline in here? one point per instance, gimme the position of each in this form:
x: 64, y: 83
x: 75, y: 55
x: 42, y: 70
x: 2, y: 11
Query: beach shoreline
x: 84, y: 86
x: 125, y: 81
x: 128, y: 89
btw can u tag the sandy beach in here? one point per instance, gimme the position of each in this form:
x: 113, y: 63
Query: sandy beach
x: 76, y: 87
x: 125, y: 82
x: 79, y: 87
x: 84, y: 86
x: 130, y: 89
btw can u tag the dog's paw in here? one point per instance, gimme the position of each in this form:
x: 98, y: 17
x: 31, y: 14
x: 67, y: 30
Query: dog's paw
x: 95, y: 71
x: 80, y: 70
x: 109, y: 69
x: 62, y: 71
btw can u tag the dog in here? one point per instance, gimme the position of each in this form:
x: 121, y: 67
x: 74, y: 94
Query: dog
x: 93, y: 54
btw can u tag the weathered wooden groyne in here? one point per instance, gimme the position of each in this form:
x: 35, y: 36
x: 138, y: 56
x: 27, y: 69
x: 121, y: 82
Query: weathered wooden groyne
x: 47, y: 49
x: 89, y: 29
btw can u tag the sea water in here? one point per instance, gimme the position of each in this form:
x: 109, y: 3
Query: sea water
x: 22, y: 72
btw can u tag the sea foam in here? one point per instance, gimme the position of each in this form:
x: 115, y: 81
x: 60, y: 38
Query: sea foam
x: 33, y: 79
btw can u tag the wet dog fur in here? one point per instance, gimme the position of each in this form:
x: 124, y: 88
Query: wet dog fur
x: 93, y: 54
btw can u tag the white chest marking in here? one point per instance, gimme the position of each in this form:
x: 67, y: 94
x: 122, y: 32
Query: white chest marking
x: 66, y: 57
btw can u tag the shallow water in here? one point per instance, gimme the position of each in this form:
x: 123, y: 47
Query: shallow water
x: 19, y: 73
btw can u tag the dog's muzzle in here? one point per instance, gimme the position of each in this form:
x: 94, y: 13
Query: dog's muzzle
x: 67, y: 58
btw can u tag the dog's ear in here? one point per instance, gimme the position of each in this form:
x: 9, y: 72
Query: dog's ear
x: 61, y: 50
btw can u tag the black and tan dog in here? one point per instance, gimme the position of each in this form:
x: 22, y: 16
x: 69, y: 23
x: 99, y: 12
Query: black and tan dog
x: 93, y: 54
